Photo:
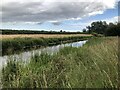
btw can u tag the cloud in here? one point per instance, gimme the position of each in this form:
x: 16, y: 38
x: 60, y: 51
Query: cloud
x: 113, y: 20
x: 56, y: 23
x: 108, y: 20
x: 83, y: 25
x: 51, y: 10
x: 39, y: 23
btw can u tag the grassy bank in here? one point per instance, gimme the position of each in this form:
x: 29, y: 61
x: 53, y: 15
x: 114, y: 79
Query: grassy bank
x: 18, y: 44
x: 92, y: 66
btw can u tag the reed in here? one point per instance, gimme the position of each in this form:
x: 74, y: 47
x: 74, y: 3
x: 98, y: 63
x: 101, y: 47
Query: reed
x: 95, y: 65
x: 10, y: 46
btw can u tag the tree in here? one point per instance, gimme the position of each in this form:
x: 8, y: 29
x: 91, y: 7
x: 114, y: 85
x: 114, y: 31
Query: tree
x: 89, y: 29
x: 113, y: 30
x: 101, y: 27
x: 61, y: 31
x: 97, y: 27
x: 84, y: 30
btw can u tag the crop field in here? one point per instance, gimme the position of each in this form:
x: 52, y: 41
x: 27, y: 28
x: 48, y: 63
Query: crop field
x: 40, y: 35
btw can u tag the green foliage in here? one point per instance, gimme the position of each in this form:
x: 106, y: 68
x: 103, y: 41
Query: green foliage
x: 113, y: 30
x: 98, y: 27
x: 103, y: 28
x: 95, y: 65
x: 10, y: 46
x: 9, y: 31
x: 97, y: 35
x: 10, y: 73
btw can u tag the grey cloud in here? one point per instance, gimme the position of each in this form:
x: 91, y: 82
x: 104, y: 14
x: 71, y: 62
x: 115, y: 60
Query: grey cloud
x: 56, y: 11
x: 39, y: 23
x: 56, y: 23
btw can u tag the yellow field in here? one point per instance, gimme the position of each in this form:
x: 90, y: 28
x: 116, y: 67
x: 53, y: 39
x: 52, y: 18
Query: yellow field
x: 40, y: 35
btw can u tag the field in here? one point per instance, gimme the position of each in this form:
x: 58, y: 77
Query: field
x: 95, y: 65
x: 41, y: 36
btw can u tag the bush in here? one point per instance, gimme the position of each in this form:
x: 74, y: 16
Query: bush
x: 113, y: 30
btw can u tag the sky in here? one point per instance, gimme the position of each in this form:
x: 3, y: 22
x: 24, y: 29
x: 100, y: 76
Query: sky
x: 56, y: 15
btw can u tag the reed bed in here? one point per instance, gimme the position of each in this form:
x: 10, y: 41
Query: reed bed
x: 10, y: 46
x: 95, y: 65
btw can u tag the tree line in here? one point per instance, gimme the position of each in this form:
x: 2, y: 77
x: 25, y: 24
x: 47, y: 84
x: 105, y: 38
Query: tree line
x: 10, y: 31
x: 96, y: 28
x: 102, y: 28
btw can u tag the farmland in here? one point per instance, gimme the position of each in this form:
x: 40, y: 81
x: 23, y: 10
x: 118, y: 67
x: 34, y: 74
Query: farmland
x: 40, y: 36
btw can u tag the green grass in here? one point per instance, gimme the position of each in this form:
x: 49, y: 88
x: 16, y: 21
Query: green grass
x: 10, y: 46
x: 95, y: 65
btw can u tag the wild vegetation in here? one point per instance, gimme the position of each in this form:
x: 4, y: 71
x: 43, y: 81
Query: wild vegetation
x: 10, y: 46
x: 101, y: 27
x: 10, y: 31
x: 95, y: 65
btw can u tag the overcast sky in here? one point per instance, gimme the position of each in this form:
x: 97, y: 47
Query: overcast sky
x: 69, y: 15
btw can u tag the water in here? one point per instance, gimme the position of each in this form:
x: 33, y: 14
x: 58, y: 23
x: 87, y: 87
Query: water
x: 25, y: 56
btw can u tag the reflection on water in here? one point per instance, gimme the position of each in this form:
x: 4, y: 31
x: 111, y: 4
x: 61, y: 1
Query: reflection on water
x: 27, y: 55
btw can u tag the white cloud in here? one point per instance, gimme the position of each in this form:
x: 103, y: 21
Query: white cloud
x: 108, y: 20
x: 88, y: 23
x: 52, y: 10
x: 113, y: 20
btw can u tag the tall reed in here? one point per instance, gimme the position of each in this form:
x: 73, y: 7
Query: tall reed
x: 19, y: 44
x: 95, y: 65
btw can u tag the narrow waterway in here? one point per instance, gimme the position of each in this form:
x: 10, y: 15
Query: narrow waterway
x: 25, y: 56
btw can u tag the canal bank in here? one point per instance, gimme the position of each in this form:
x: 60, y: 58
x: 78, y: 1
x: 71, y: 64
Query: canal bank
x: 11, y: 46
x: 94, y: 65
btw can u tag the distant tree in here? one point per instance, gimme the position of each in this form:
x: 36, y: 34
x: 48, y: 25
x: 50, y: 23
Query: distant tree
x: 89, y: 29
x: 113, y: 30
x: 97, y: 27
x: 64, y: 31
x: 84, y: 30
x: 101, y: 28
x: 60, y: 30
x: 111, y: 24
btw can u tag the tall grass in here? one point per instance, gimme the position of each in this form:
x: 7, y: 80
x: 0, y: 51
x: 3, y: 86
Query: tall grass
x: 95, y: 65
x: 18, y: 44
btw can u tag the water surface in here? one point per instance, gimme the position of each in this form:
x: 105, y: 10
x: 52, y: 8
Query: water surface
x: 26, y: 55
